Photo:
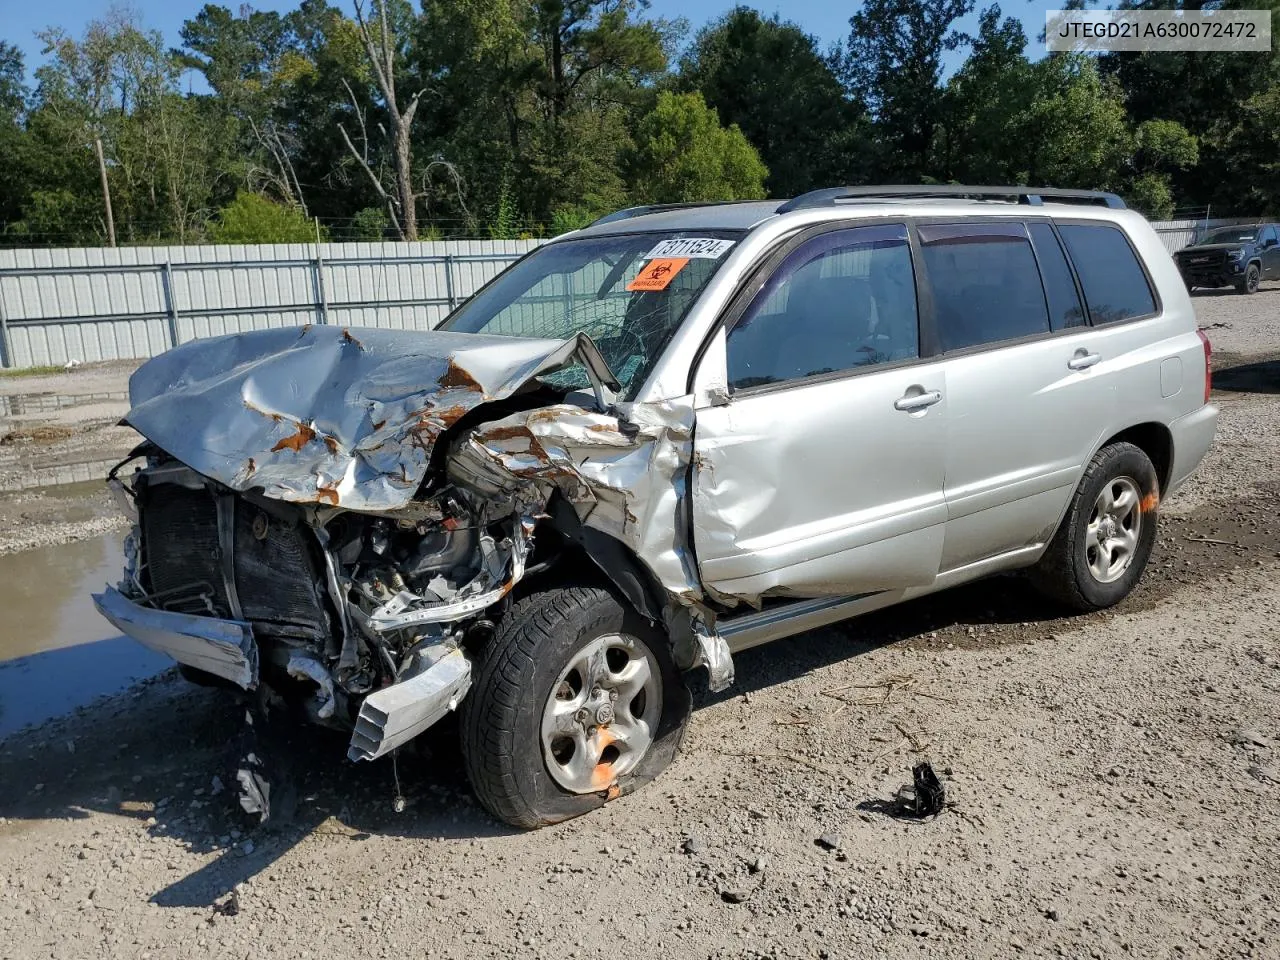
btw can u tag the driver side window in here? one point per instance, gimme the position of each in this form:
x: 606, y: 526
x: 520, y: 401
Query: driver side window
x: 839, y: 301
x: 1268, y: 237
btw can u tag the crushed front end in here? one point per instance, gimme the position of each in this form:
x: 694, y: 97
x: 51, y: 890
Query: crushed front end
x: 338, y: 518
x: 360, y: 618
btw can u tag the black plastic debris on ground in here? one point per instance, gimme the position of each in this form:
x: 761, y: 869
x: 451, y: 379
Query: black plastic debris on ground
x: 922, y: 799
x: 229, y: 907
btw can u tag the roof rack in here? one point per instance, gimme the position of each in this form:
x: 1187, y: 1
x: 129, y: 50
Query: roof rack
x: 1034, y: 196
x: 649, y: 208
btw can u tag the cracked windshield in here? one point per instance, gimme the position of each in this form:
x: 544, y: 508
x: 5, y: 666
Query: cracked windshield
x: 627, y: 292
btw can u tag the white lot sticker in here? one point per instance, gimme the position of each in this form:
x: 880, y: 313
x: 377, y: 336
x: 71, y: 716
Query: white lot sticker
x: 700, y: 248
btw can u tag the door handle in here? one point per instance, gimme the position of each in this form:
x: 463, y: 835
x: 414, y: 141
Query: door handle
x: 1083, y: 361
x: 917, y: 401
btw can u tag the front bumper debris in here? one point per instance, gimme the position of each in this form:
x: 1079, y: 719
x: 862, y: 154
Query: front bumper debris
x: 398, y: 713
x: 223, y: 648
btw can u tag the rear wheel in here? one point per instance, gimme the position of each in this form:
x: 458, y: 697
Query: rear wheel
x: 575, y: 702
x: 1102, y: 547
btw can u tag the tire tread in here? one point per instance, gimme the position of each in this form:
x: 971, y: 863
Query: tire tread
x: 488, y: 721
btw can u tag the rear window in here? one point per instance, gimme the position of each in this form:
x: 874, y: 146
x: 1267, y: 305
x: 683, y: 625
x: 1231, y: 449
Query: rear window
x: 985, y: 283
x: 1115, y: 288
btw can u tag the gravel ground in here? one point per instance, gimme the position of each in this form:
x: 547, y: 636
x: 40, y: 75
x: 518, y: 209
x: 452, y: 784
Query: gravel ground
x: 1114, y: 779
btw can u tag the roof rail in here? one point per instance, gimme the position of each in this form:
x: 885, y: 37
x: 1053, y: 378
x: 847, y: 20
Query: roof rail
x: 649, y: 208
x: 1035, y: 196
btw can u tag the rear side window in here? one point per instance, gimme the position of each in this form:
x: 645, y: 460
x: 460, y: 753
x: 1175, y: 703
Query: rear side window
x: 1115, y: 287
x: 986, y: 286
x: 1059, y: 289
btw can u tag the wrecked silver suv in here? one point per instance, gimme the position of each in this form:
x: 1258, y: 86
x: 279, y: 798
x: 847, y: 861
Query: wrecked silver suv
x: 673, y: 435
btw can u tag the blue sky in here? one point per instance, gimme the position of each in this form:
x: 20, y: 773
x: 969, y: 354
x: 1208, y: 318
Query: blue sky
x: 827, y: 20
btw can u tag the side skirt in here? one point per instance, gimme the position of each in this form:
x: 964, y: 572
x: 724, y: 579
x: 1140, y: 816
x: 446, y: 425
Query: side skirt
x: 764, y: 626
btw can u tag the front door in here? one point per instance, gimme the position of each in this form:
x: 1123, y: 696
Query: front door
x: 1269, y: 244
x: 819, y: 471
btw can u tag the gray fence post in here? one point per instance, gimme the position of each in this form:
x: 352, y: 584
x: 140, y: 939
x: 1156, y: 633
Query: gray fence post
x: 322, y: 300
x: 448, y: 282
x: 318, y: 264
x: 170, y: 308
x: 6, y: 345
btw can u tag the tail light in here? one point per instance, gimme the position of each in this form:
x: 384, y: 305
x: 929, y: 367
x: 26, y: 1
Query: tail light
x: 1208, y: 355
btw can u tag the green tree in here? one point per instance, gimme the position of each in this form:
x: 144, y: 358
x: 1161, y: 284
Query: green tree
x: 1251, y: 151
x: 371, y: 223
x: 976, y: 136
x: 253, y: 218
x: 1216, y: 97
x: 892, y: 62
x: 1162, y: 149
x: 248, y: 61
x: 537, y: 99
x: 165, y: 154
x: 13, y: 100
x: 1074, y: 132
x: 767, y: 77
x: 683, y: 154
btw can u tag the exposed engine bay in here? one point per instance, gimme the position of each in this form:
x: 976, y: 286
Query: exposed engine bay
x: 340, y: 603
x: 343, y: 517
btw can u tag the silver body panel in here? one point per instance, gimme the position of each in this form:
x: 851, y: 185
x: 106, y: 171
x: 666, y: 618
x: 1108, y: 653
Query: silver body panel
x: 223, y: 648
x: 396, y: 714
x: 823, y: 489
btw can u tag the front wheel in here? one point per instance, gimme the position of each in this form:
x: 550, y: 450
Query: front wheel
x: 1252, y: 277
x: 575, y: 702
x: 1101, y: 549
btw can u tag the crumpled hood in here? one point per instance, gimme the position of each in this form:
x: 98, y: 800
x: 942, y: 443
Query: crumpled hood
x: 321, y: 414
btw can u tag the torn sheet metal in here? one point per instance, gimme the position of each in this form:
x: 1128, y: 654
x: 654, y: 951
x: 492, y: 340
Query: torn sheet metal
x: 326, y: 415
x: 625, y: 472
x: 224, y: 648
x: 398, y: 713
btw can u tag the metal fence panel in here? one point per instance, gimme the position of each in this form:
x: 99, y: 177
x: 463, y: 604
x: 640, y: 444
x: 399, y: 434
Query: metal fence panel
x: 58, y: 305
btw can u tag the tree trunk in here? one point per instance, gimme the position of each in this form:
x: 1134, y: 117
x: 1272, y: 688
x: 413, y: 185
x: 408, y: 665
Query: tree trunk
x: 404, y: 182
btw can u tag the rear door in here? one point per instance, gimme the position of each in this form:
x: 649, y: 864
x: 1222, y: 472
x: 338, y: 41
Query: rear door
x: 1024, y: 404
x: 818, y: 468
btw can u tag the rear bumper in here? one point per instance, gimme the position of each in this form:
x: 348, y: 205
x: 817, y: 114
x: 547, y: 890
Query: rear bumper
x: 1192, y: 438
x: 224, y: 648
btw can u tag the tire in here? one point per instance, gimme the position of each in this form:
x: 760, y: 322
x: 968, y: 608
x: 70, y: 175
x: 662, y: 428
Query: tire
x: 550, y: 668
x: 1252, y: 277
x: 1077, y: 569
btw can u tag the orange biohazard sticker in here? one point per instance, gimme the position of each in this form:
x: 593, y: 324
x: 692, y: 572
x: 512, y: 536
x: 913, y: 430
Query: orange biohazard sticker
x: 656, y: 274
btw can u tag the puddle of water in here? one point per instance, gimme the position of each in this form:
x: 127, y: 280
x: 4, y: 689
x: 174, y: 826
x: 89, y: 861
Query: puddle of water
x: 56, y: 651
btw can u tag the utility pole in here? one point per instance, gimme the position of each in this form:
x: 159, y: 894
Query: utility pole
x: 106, y: 192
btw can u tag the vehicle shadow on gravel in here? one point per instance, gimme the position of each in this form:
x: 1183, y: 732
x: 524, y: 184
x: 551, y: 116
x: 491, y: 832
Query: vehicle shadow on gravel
x: 1262, y: 376
x: 164, y: 756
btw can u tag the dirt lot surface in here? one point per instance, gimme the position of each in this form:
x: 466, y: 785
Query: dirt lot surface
x: 58, y: 437
x: 1114, y: 779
